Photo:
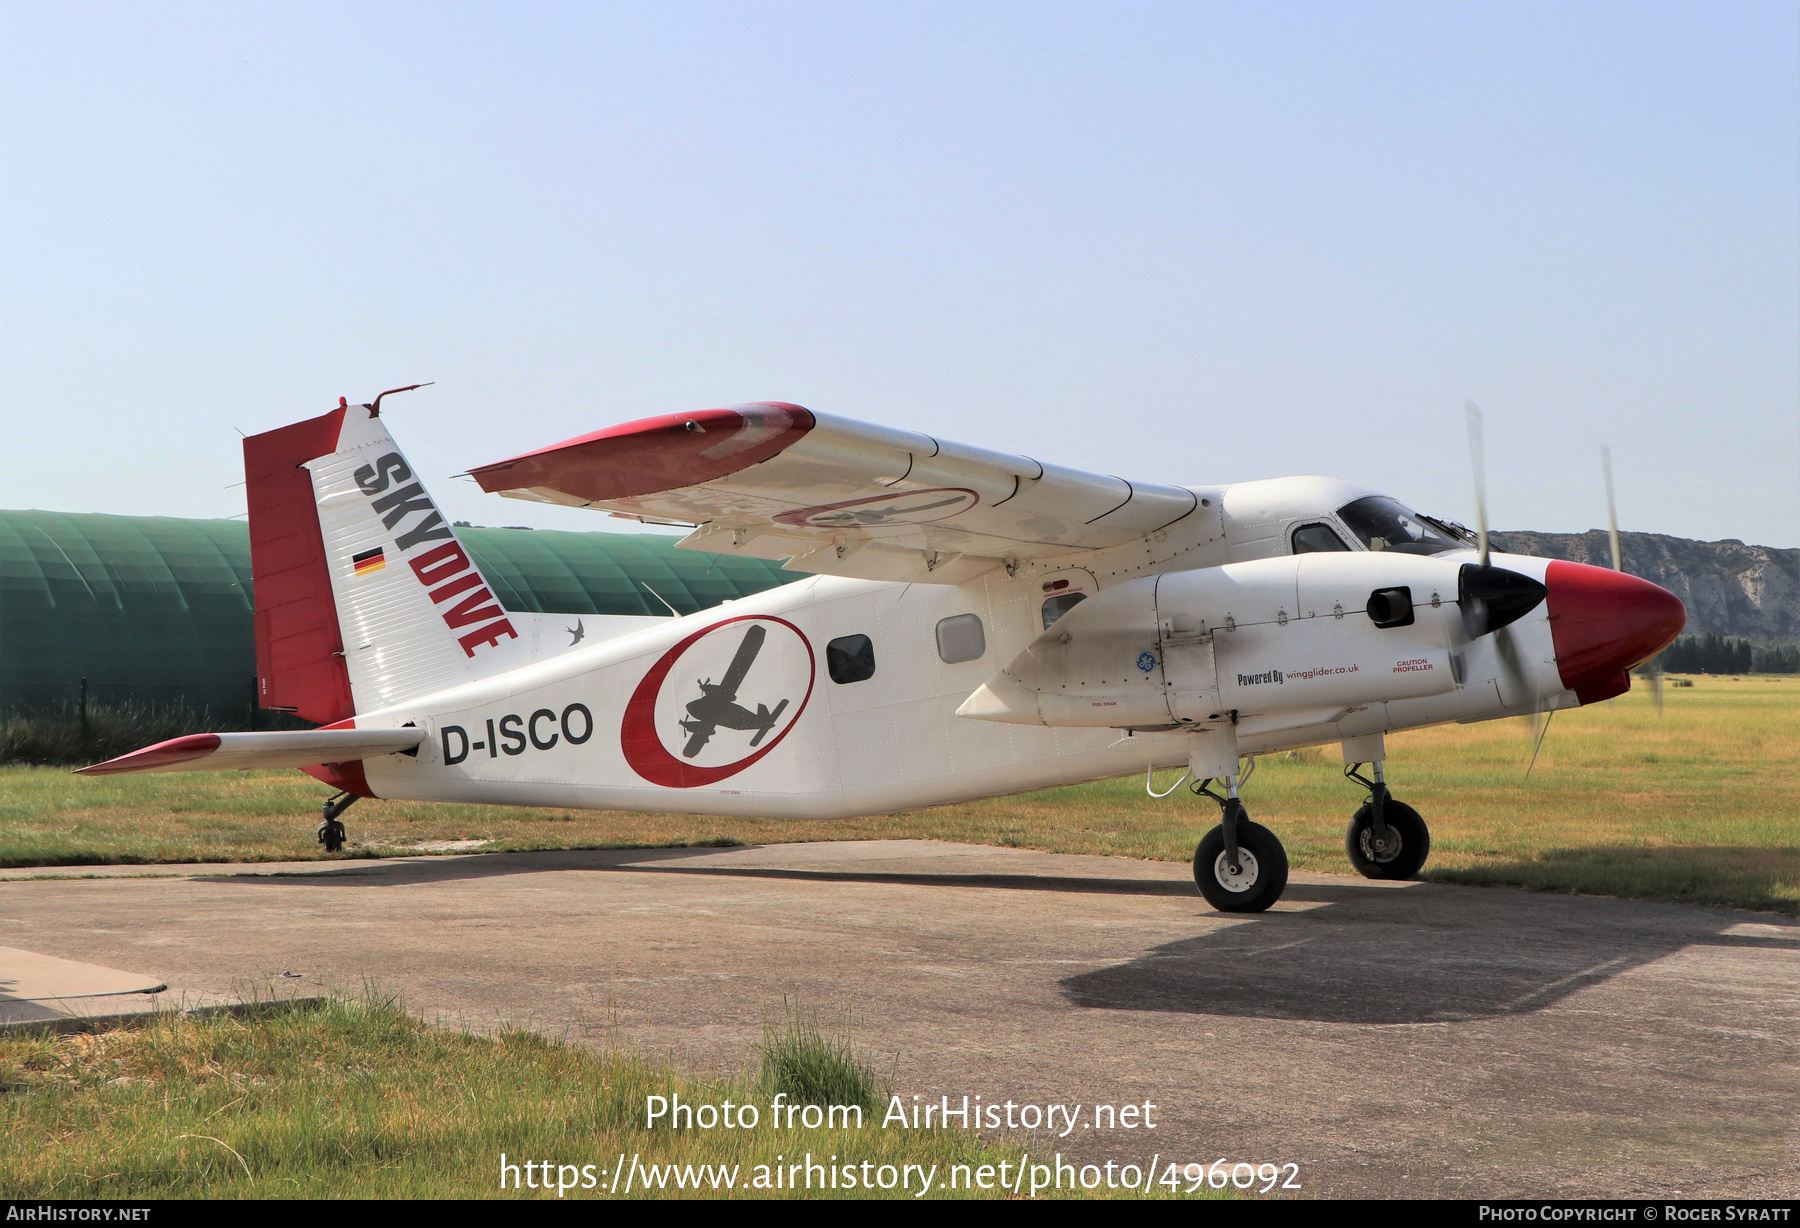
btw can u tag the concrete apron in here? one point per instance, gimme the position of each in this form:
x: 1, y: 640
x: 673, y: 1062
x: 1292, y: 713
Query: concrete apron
x: 42, y: 988
x: 1390, y: 1039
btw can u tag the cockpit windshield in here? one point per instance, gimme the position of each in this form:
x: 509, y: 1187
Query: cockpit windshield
x: 1385, y: 524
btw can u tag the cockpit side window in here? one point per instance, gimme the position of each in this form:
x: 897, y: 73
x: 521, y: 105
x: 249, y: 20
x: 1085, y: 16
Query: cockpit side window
x: 1309, y: 538
x: 1382, y: 523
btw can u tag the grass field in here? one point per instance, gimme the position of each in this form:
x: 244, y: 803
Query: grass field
x: 355, y: 1099
x: 1700, y: 803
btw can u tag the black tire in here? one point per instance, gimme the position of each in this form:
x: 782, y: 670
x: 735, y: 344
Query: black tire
x: 331, y: 835
x: 1401, y: 862
x: 1262, y: 859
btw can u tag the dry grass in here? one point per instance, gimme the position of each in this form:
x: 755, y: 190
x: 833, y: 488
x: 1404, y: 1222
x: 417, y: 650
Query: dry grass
x: 353, y: 1098
x: 1700, y: 803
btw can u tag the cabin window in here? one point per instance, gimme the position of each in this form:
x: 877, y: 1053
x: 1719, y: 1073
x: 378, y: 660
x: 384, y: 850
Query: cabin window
x: 1312, y: 538
x: 1061, y: 604
x: 850, y: 658
x: 960, y: 638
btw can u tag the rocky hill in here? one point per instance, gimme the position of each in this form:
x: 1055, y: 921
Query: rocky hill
x: 1729, y: 588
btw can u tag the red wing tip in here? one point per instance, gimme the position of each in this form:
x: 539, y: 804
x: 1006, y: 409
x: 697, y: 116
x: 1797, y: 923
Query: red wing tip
x: 176, y: 750
x: 707, y: 419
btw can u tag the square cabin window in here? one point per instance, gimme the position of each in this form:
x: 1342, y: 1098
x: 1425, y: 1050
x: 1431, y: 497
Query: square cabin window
x: 850, y: 658
x: 960, y: 638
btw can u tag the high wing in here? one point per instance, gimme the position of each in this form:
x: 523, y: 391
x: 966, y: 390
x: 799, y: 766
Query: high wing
x: 839, y: 497
x: 212, y: 752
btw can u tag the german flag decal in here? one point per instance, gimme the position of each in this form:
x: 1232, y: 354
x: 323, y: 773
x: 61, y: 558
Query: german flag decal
x: 368, y: 561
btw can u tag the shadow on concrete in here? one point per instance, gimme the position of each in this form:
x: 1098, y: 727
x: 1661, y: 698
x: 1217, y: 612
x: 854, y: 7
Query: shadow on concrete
x: 1363, y: 953
x: 413, y: 872
x: 1431, y: 954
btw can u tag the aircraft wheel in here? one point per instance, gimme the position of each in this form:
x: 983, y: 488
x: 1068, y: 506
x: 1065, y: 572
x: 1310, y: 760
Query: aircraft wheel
x: 1262, y: 865
x: 1409, y: 842
x: 331, y: 835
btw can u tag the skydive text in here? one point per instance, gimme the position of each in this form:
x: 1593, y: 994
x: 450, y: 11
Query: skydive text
x: 444, y: 570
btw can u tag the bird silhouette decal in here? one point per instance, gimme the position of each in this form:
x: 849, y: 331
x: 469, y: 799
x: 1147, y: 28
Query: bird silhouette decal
x: 718, y: 706
x: 576, y: 632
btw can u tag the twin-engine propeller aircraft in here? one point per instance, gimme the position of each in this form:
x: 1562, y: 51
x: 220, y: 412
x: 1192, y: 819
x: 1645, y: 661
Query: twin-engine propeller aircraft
x: 987, y: 624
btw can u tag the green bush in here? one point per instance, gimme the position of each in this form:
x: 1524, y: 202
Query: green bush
x: 814, y: 1068
x: 59, y: 736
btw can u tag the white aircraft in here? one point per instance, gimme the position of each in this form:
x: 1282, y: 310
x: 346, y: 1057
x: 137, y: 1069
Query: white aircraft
x: 975, y: 624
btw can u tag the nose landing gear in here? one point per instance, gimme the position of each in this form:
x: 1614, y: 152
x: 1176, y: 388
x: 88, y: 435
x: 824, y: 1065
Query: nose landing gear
x: 331, y: 831
x: 1386, y: 838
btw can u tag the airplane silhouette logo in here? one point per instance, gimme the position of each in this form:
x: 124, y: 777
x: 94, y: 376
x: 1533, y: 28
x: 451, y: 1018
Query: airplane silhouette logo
x: 718, y: 706
x: 885, y: 511
x: 863, y: 518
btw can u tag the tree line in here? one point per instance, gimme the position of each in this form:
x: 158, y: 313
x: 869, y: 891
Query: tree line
x: 1729, y: 654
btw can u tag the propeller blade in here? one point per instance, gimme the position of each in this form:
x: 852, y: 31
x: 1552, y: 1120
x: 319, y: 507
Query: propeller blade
x: 1655, y: 674
x: 1515, y: 682
x: 1478, y: 459
x: 1510, y: 664
x: 1543, y: 729
x: 1490, y: 597
x: 1612, y: 515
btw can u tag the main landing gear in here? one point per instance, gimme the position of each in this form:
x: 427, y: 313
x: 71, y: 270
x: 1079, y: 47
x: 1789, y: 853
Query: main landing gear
x: 331, y: 831
x: 1386, y: 838
x: 1240, y: 866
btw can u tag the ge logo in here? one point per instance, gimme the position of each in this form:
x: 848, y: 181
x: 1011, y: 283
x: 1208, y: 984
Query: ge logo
x: 1146, y: 661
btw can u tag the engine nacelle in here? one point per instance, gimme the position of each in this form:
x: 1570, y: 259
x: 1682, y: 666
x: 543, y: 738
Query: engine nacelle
x: 1313, y: 634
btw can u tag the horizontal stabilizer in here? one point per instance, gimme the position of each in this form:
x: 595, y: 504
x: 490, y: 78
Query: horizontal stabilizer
x: 214, y: 752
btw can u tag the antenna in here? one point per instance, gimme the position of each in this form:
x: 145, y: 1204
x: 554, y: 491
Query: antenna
x: 661, y: 598
x: 374, y: 407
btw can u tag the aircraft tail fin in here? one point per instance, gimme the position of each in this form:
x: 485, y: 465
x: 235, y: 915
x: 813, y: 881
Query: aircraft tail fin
x: 364, y: 596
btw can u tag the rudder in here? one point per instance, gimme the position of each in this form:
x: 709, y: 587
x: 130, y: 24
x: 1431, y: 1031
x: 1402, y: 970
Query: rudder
x: 299, y: 652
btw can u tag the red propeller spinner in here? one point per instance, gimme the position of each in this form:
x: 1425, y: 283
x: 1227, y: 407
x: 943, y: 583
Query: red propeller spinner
x: 1604, y: 623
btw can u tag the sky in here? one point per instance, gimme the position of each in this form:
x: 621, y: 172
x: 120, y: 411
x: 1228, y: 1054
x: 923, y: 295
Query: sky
x: 1181, y: 243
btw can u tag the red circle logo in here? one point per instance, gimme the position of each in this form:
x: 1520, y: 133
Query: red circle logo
x: 740, y: 687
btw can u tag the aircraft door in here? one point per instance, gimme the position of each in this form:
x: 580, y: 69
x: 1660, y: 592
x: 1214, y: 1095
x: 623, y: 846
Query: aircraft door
x: 1190, y: 673
x: 1061, y: 591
